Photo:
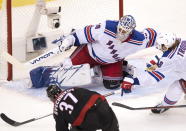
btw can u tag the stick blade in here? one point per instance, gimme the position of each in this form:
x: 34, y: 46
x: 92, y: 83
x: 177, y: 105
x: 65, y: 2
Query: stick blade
x: 8, y: 120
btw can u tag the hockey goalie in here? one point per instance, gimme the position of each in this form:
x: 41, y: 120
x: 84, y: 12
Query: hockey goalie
x: 105, y: 45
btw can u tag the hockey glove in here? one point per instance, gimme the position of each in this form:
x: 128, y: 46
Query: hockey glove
x: 126, y: 85
x: 65, y: 43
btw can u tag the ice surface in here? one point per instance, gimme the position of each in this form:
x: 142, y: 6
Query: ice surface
x: 21, y: 105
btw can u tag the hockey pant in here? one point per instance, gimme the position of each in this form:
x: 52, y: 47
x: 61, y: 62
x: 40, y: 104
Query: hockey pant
x: 111, y: 71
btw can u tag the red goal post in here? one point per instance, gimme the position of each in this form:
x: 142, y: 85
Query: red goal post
x: 16, y: 18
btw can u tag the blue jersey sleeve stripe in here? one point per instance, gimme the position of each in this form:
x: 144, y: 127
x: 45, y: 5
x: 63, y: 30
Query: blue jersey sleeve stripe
x: 160, y: 74
x: 88, y: 34
x: 108, y: 32
x: 156, y: 78
x: 169, y: 101
x: 77, y: 43
x: 171, y: 54
x: 97, y: 58
x: 153, y: 35
x: 134, y: 43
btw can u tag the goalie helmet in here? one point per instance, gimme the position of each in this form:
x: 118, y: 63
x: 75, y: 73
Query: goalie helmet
x: 165, y: 41
x: 53, y: 91
x: 125, y: 27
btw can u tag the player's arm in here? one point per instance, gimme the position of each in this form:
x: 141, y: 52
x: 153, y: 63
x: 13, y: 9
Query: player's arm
x: 157, y: 69
x: 150, y: 37
x: 88, y: 34
x: 61, y: 124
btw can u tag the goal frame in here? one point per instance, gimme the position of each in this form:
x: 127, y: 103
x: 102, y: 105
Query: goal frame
x: 9, y: 32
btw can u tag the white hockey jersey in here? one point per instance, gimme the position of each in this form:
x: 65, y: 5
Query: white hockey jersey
x: 105, y: 48
x: 172, y: 64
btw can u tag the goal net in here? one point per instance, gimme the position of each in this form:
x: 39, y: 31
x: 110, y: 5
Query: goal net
x: 28, y: 27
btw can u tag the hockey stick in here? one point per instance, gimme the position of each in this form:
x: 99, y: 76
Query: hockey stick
x: 32, y: 62
x: 35, y: 61
x: 12, y: 122
x: 15, y: 123
x: 55, y: 51
x: 145, y: 108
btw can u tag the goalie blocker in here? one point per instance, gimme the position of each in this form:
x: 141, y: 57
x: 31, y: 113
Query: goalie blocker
x: 44, y: 76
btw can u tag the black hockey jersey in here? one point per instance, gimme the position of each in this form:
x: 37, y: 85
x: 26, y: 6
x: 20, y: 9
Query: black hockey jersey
x: 72, y: 105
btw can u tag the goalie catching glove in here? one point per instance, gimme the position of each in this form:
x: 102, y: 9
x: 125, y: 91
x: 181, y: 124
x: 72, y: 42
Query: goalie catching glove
x: 65, y: 43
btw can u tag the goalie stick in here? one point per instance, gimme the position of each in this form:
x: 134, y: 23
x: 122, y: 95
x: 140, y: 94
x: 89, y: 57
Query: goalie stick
x: 40, y: 59
x: 14, y: 123
x: 34, y: 62
x: 145, y: 108
x: 142, y: 54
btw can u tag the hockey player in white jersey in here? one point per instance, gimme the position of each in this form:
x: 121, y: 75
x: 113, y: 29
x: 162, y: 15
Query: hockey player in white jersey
x: 172, y: 63
x: 106, y: 45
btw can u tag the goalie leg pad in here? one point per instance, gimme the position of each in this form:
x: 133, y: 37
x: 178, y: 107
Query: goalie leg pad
x: 40, y: 76
x: 183, y: 85
x: 62, y: 76
x: 111, y: 84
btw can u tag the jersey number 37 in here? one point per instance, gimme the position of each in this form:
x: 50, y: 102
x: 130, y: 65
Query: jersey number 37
x: 64, y: 106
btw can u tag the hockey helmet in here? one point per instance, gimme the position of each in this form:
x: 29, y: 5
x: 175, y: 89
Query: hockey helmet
x: 165, y: 41
x: 125, y: 27
x: 53, y: 91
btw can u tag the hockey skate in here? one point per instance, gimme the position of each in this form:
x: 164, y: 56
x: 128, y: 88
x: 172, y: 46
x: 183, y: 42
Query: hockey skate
x: 160, y: 110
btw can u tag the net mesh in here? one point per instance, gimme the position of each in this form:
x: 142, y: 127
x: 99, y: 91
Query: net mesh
x: 74, y: 14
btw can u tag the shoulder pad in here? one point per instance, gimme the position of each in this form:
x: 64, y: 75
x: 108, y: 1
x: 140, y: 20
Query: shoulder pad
x: 136, y: 35
x: 150, y: 35
x: 111, y: 25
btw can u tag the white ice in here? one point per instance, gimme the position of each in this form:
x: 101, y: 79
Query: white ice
x: 21, y: 107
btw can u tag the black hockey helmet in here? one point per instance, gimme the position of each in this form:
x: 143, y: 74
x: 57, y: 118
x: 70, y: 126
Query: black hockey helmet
x: 53, y: 91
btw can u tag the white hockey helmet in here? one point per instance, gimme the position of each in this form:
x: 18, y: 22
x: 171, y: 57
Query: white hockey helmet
x: 165, y: 40
x: 125, y: 27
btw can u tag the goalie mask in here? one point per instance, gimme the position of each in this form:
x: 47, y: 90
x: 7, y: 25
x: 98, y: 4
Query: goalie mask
x: 125, y: 27
x: 53, y: 91
x: 165, y: 41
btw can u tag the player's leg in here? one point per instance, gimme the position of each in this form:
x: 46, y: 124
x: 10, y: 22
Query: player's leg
x: 81, y: 56
x: 112, y: 75
x: 45, y: 75
x: 173, y: 94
